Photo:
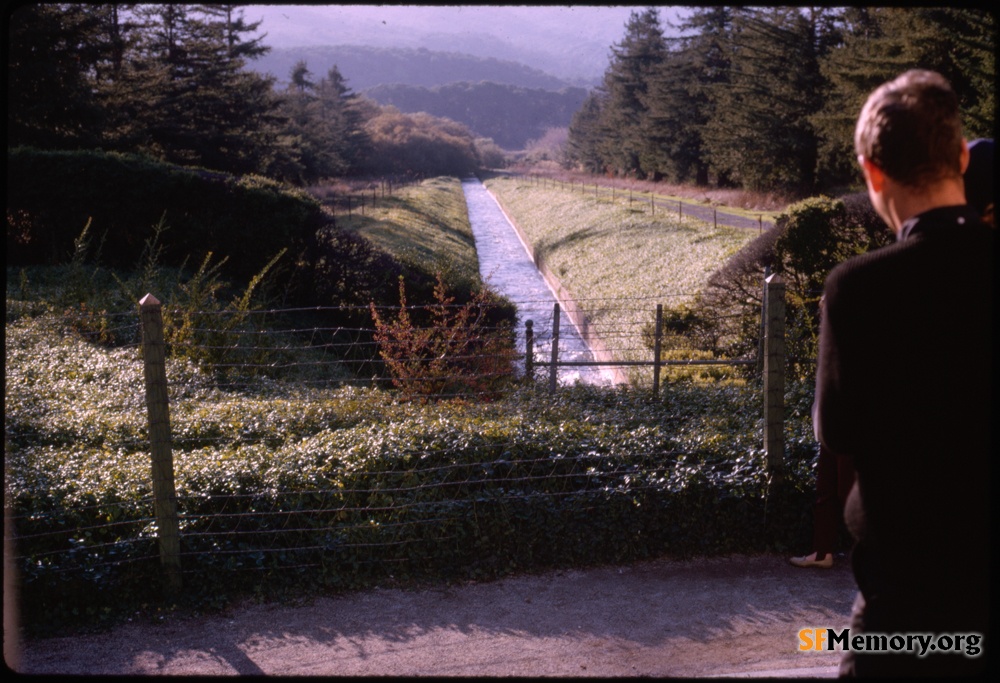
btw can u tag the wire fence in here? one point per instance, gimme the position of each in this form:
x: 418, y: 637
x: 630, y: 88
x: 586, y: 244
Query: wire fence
x: 653, y: 203
x: 432, y: 497
x: 362, y: 196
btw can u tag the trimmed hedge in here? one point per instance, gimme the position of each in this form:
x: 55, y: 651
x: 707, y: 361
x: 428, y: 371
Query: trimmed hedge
x: 51, y: 195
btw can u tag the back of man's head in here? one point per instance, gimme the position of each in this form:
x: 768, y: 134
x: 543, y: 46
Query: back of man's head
x: 910, y: 128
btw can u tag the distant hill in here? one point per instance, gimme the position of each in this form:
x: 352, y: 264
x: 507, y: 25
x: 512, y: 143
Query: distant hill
x: 508, y: 114
x: 569, y: 42
x: 366, y: 67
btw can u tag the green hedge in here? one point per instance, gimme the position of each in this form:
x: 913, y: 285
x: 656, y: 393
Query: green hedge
x: 51, y: 195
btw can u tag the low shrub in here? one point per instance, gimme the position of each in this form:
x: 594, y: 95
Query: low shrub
x: 808, y: 240
x: 455, y: 352
x: 284, y: 489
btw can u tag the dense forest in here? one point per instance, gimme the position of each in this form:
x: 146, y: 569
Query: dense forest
x: 766, y: 98
x: 171, y: 82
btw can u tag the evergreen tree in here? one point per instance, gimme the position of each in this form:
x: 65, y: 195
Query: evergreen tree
x: 675, y: 112
x: 235, y: 29
x: 586, y: 131
x: 760, y: 132
x: 959, y: 43
x: 852, y: 69
x: 705, y: 48
x: 302, y: 159
x: 50, y: 103
x: 973, y: 33
x: 340, y: 118
x: 880, y: 43
x: 181, y: 93
x: 131, y: 82
x: 625, y: 109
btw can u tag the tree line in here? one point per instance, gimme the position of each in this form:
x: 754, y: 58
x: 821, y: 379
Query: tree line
x: 766, y: 98
x: 170, y: 81
x: 509, y: 115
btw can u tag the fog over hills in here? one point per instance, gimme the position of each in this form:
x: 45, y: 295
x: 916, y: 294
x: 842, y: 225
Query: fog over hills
x: 365, y: 67
x: 571, y: 43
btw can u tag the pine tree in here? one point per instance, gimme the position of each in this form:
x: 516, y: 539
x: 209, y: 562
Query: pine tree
x: 182, y: 93
x: 302, y: 157
x: 675, y: 112
x: 880, y: 43
x: 705, y: 48
x: 50, y: 103
x: 340, y: 114
x: 234, y: 29
x: 626, y: 80
x: 974, y: 34
x: 959, y: 43
x: 583, y: 148
x: 852, y: 69
x: 760, y: 132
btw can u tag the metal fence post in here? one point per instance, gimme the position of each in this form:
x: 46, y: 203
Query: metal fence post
x: 158, y: 410
x: 774, y: 377
x: 553, y: 369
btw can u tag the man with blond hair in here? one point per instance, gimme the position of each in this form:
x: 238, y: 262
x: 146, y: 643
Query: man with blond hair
x: 904, y: 387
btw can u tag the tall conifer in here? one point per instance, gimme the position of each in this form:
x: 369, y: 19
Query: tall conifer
x: 626, y: 80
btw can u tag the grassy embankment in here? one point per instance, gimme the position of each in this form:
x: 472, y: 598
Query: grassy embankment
x: 605, y: 252
x: 424, y: 225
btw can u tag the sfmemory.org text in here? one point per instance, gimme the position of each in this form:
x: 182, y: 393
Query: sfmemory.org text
x: 921, y: 644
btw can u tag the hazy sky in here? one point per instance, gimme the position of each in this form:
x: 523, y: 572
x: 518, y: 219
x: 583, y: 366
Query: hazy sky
x: 289, y: 25
x: 565, y: 39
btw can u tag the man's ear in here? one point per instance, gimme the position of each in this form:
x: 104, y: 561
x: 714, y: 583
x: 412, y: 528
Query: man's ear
x: 964, y: 158
x: 874, y: 174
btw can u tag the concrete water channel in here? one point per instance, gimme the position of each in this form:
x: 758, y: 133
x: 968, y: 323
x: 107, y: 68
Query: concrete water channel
x: 505, y: 264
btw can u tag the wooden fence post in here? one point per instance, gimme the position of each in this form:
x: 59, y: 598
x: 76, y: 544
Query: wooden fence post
x: 529, y: 351
x: 657, y: 342
x: 763, y: 322
x: 158, y: 410
x: 553, y: 370
x: 774, y: 377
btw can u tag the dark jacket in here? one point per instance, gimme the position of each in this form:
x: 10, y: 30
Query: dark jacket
x: 904, y: 387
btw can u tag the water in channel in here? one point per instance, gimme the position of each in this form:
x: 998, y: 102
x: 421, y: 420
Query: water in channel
x: 505, y: 264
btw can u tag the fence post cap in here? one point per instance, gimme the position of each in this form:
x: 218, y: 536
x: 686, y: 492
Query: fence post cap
x: 149, y: 300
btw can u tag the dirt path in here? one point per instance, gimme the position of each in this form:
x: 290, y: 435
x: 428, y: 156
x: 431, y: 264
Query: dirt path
x: 721, y: 616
